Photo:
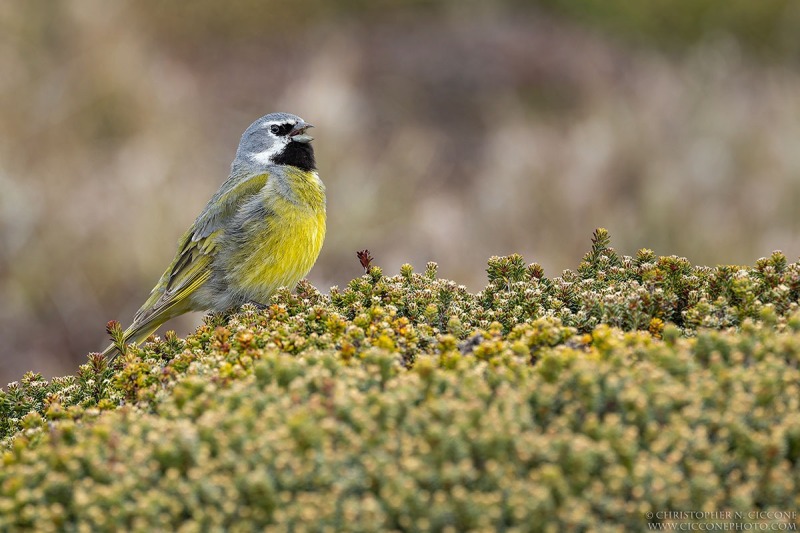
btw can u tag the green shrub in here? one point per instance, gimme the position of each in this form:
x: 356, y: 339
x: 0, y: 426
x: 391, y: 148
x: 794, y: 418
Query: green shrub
x: 405, y: 403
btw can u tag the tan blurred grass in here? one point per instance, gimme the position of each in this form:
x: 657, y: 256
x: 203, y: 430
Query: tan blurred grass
x: 443, y: 133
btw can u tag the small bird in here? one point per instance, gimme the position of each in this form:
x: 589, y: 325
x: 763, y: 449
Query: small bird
x: 263, y: 229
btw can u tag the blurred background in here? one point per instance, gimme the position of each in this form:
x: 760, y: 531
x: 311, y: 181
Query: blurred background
x: 445, y: 131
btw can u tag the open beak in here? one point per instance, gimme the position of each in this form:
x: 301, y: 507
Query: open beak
x: 298, y: 133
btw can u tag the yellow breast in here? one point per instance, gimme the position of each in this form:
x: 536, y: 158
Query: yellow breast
x: 287, y: 243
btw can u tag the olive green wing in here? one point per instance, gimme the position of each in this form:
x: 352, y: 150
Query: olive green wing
x: 191, y: 267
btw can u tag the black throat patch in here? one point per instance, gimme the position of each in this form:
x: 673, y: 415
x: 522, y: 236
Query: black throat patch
x: 300, y: 155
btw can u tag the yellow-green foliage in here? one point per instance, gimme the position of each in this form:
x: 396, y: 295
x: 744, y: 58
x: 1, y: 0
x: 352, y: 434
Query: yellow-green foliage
x: 632, y: 385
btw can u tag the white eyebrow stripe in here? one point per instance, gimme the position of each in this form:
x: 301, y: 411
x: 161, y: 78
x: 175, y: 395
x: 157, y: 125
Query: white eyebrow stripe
x: 281, y: 123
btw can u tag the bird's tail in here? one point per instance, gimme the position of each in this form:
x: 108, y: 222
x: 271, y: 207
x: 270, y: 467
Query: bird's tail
x: 135, y: 334
x: 111, y: 352
x: 145, y: 323
x: 156, y: 310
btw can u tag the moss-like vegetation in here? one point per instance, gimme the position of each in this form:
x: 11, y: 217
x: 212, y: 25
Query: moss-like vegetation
x: 632, y: 385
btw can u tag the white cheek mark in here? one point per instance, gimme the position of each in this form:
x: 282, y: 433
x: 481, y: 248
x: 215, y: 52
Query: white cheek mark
x: 266, y: 156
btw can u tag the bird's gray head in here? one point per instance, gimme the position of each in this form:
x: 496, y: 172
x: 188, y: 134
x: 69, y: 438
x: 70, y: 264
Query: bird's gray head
x: 276, y: 139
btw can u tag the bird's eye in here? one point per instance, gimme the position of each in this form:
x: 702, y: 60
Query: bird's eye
x: 274, y: 129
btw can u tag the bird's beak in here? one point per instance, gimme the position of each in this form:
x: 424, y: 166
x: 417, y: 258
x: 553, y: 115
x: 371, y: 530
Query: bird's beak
x: 298, y: 133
